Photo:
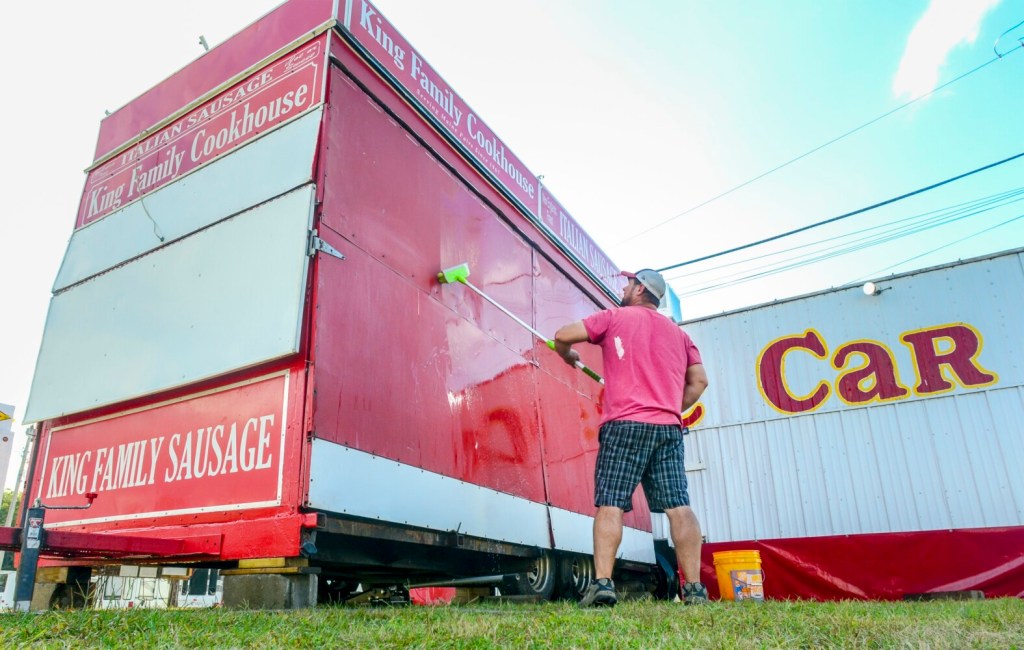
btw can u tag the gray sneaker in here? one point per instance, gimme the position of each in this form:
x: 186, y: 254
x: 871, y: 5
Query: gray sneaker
x: 695, y: 593
x: 601, y: 593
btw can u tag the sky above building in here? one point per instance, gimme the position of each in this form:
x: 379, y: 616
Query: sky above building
x: 671, y: 130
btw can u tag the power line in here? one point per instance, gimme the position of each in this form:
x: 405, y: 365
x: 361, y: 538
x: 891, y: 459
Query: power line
x: 836, y: 251
x: 845, y: 215
x: 820, y: 257
x: 922, y: 218
x: 952, y: 243
x: 822, y: 146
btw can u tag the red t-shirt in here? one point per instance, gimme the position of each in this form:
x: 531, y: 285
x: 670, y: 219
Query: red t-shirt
x: 645, y: 360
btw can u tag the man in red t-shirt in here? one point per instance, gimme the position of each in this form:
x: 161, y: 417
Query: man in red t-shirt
x: 653, y: 373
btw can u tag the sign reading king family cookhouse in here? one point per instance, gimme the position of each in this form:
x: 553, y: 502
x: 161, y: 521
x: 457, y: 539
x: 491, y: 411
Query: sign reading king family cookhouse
x: 408, y: 69
x: 272, y: 96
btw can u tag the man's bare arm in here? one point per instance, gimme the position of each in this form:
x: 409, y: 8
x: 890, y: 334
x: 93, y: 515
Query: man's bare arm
x: 696, y: 382
x: 566, y: 336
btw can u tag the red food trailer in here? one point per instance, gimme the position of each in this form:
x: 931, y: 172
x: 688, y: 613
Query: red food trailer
x: 249, y: 358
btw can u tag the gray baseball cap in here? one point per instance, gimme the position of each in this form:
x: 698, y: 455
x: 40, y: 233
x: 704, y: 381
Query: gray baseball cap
x: 651, y: 279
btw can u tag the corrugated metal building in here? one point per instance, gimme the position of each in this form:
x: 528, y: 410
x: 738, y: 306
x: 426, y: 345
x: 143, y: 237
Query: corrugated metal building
x: 846, y: 413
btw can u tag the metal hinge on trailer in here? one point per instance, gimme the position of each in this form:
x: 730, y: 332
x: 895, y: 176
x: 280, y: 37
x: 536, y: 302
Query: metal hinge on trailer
x: 317, y: 244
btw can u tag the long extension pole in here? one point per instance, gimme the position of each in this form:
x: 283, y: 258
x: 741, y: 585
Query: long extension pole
x: 460, y: 274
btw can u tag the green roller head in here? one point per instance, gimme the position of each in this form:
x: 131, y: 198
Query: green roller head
x: 454, y: 274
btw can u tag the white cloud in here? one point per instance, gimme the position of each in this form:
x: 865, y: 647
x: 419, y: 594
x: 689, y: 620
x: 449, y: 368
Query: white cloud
x: 944, y: 25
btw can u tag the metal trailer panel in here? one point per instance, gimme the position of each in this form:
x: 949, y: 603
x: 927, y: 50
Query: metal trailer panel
x: 378, y: 488
x: 932, y: 459
x: 261, y: 170
x: 469, y: 395
x: 495, y: 428
x: 408, y: 380
x: 181, y: 314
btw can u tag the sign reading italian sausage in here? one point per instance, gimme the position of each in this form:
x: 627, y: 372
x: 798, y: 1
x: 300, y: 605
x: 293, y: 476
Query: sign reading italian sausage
x: 272, y: 96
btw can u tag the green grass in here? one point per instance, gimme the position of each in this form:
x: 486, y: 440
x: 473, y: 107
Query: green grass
x: 636, y: 624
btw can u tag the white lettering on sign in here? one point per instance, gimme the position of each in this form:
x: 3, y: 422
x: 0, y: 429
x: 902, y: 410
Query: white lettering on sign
x: 370, y: 22
x: 441, y: 101
x: 496, y: 151
x: 444, y: 96
x: 415, y: 75
x: 67, y: 475
x: 142, y: 179
x: 241, y: 446
x: 244, y: 121
x: 276, y: 94
x: 558, y: 220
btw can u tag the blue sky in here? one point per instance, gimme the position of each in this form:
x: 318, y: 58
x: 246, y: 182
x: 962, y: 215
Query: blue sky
x: 633, y: 112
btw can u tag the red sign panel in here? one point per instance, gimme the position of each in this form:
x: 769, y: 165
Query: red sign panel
x: 390, y: 49
x: 216, y: 451
x: 572, y: 235
x: 272, y: 96
x: 277, y: 29
x: 393, y: 52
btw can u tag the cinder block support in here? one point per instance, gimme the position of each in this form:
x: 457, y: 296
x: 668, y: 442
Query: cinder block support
x: 61, y: 588
x: 270, y: 591
x: 42, y: 596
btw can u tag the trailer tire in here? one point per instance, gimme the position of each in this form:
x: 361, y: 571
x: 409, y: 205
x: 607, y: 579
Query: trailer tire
x: 539, y: 581
x: 575, y: 575
x: 333, y: 591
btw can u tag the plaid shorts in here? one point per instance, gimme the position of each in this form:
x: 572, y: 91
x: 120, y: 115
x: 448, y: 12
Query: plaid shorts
x: 637, y: 452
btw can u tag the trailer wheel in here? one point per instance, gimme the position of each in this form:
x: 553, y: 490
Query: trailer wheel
x: 538, y: 581
x: 332, y: 591
x: 575, y: 575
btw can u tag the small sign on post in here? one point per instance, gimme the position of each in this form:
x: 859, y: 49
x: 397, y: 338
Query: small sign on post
x: 32, y: 540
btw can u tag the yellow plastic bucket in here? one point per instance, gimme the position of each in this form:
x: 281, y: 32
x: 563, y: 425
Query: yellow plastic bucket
x: 739, y: 575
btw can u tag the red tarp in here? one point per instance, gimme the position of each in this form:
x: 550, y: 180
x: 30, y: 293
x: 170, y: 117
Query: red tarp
x: 432, y: 595
x: 885, y: 566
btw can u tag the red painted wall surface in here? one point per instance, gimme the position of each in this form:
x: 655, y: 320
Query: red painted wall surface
x: 430, y: 374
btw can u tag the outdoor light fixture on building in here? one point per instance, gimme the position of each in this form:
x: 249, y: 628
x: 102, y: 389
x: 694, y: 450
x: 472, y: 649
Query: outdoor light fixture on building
x: 872, y: 289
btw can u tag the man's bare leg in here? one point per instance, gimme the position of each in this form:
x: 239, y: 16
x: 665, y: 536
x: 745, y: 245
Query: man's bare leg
x: 607, y: 537
x: 686, y: 536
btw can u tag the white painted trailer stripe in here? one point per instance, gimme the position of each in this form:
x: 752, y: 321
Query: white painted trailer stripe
x: 574, y: 532
x: 352, y: 482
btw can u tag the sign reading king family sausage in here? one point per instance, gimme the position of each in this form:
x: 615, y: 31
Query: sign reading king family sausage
x: 276, y: 94
x: 216, y: 451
